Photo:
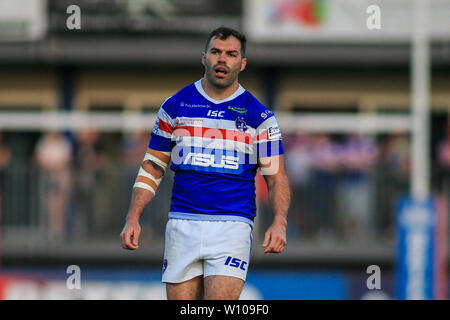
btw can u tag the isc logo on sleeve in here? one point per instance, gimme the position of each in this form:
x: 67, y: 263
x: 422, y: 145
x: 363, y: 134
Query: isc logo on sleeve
x: 235, y: 263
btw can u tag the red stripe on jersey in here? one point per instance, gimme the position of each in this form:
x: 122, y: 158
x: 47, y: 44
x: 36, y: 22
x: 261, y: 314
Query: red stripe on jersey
x: 213, y: 133
x: 262, y: 136
x: 164, y: 126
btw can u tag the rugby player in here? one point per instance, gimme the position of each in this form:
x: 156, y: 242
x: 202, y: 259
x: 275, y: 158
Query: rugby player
x: 217, y: 135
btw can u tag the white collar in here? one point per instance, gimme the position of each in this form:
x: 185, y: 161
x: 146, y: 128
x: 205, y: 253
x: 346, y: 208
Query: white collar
x: 238, y: 92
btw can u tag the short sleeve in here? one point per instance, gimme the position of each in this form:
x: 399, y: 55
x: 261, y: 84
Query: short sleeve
x: 268, y: 140
x: 162, y: 136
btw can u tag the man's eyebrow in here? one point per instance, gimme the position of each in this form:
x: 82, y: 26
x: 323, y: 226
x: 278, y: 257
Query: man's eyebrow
x: 229, y: 51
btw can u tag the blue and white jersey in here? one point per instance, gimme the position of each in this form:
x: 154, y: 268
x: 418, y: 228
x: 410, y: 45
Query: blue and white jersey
x: 215, y: 146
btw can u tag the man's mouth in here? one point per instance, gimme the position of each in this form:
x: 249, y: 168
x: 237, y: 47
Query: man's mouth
x: 220, y: 71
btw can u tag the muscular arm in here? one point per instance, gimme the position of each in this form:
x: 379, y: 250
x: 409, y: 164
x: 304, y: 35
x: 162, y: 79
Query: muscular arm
x: 141, y: 197
x: 274, y: 173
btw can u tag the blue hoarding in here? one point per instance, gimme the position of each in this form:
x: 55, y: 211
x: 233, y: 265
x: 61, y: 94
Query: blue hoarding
x: 416, y: 225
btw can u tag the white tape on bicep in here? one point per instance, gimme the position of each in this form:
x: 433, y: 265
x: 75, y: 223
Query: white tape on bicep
x: 144, y: 186
x: 154, y: 159
x: 144, y: 173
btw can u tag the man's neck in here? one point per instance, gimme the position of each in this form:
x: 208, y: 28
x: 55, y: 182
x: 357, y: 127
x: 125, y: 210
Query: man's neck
x: 218, y: 93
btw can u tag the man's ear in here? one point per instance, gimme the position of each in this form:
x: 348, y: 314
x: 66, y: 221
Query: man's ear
x: 203, y: 58
x: 243, y: 64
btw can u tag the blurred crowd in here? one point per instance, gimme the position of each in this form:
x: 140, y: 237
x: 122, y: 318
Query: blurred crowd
x: 332, y: 181
x: 343, y: 186
x: 79, y: 183
x: 347, y: 186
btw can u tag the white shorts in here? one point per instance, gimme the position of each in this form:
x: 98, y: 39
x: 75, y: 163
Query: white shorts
x: 194, y: 248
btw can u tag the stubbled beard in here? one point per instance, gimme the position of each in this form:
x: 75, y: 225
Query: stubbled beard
x: 221, y: 83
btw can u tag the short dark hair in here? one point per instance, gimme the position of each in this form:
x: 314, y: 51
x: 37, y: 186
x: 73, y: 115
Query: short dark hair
x: 223, y: 33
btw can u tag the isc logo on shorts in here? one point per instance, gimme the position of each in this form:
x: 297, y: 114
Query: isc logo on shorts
x: 235, y: 263
x: 164, y: 265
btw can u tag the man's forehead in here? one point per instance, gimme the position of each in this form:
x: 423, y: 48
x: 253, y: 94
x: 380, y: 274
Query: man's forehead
x: 229, y: 44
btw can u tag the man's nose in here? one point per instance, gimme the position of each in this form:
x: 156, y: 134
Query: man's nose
x: 221, y: 58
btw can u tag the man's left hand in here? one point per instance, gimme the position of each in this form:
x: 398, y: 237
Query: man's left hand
x: 275, y: 237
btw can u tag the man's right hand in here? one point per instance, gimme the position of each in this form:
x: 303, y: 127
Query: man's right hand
x: 130, y: 235
x: 141, y: 197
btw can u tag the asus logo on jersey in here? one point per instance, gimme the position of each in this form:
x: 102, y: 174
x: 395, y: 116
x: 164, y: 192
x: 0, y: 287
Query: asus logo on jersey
x: 208, y: 160
x: 215, y: 113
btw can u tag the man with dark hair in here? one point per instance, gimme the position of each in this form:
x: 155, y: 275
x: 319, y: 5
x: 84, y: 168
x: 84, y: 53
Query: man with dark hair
x: 223, y: 33
x: 217, y: 135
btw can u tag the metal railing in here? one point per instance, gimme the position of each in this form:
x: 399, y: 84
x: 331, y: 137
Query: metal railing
x: 41, y: 209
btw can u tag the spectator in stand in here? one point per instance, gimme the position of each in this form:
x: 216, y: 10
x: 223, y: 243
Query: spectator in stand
x: 325, y: 167
x: 90, y: 160
x: 53, y: 154
x: 298, y: 164
x: 358, y: 156
x: 393, y: 169
x: 443, y: 158
x: 5, y: 158
x: 400, y: 161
